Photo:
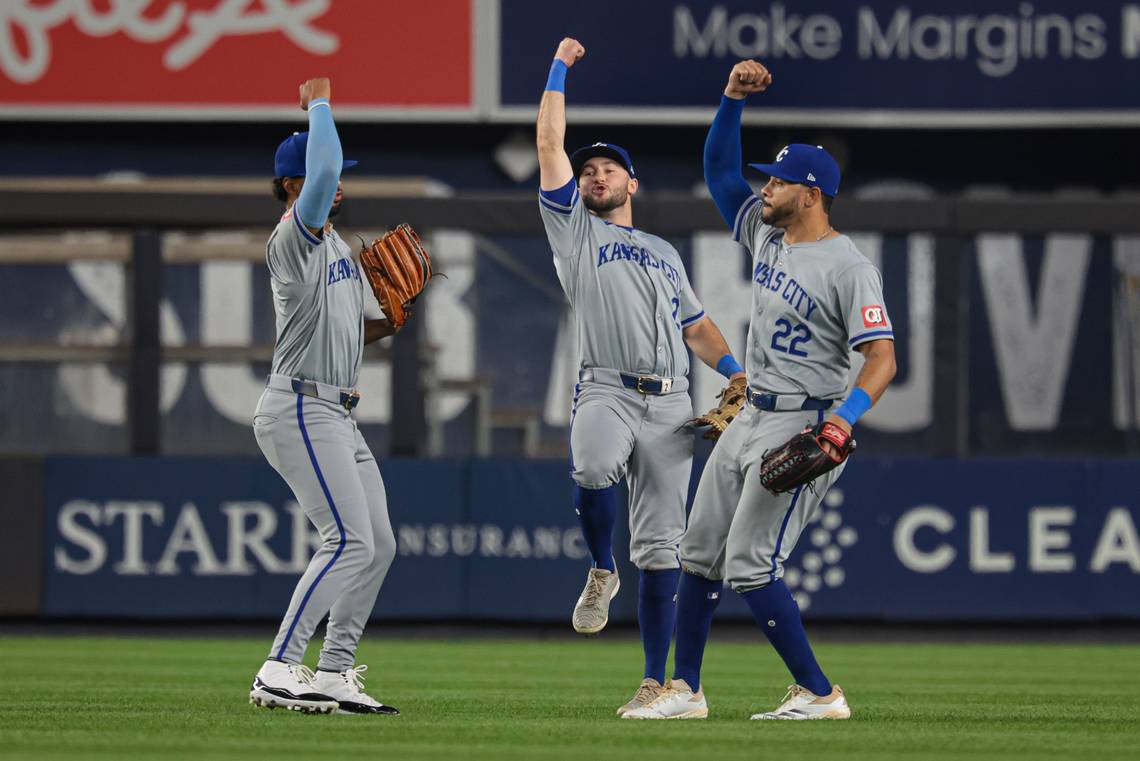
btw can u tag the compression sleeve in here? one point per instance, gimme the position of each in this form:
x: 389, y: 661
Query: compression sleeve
x: 723, y: 166
x: 323, y: 163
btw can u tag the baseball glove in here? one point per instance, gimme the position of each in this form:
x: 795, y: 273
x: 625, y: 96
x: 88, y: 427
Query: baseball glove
x: 731, y: 402
x: 803, y: 459
x: 398, y: 268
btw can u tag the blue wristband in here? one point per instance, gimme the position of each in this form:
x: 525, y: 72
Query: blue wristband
x: 557, y: 79
x: 857, y: 404
x: 728, y: 366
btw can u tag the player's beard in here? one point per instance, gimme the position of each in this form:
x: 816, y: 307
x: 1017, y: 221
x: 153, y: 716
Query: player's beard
x: 336, y: 208
x: 779, y: 216
x: 603, y: 206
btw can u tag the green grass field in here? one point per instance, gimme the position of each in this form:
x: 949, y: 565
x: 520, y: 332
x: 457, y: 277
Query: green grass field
x: 73, y: 697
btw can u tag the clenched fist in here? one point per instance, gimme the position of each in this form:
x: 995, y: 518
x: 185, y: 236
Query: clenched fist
x: 747, y: 77
x: 313, y: 89
x: 569, y: 51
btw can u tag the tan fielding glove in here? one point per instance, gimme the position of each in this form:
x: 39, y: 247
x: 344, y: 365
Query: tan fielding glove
x: 732, y: 400
x: 398, y: 268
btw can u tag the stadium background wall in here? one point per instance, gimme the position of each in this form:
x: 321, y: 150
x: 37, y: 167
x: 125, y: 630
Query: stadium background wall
x: 221, y: 539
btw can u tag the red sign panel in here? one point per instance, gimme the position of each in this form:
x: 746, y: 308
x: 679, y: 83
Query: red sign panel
x: 233, y: 55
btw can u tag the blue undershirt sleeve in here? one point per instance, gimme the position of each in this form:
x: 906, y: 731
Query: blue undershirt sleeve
x: 323, y: 163
x: 723, y: 165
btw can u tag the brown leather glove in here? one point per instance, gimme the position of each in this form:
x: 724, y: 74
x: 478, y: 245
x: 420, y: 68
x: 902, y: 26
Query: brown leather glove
x: 398, y: 268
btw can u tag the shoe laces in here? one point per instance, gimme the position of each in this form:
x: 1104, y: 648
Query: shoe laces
x: 646, y: 692
x: 302, y: 674
x: 355, y: 677
x: 668, y: 692
x: 595, y: 588
x: 795, y: 691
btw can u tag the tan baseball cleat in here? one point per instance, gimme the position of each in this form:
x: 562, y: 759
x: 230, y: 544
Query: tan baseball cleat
x: 801, y: 703
x: 649, y: 691
x: 592, y: 612
x: 676, y: 701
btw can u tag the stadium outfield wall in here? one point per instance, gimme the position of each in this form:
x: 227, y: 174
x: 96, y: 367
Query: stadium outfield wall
x: 896, y: 540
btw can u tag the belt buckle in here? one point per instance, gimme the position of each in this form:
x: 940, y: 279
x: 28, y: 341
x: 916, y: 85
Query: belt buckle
x: 762, y: 400
x: 349, y: 401
x: 640, y: 379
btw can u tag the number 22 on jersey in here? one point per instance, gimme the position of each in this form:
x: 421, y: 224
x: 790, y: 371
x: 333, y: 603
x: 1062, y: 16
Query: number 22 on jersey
x: 798, y: 334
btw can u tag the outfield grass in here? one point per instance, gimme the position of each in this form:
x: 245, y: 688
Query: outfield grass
x: 73, y: 697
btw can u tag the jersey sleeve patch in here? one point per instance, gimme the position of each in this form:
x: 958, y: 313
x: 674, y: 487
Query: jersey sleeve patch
x: 873, y: 316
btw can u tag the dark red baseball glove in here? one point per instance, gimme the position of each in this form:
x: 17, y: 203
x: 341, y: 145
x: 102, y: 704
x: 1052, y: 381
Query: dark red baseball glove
x: 803, y: 459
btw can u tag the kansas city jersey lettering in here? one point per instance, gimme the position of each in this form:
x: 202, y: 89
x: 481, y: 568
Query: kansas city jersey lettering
x: 342, y: 269
x: 790, y: 290
x: 619, y: 252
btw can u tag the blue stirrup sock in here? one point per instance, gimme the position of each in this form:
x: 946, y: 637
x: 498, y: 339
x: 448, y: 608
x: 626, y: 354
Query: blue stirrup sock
x: 597, y: 512
x: 656, y: 614
x: 697, y: 598
x: 778, y: 615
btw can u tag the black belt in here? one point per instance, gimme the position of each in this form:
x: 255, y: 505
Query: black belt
x: 646, y: 384
x: 653, y: 385
x: 309, y: 388
x: 770, y: 402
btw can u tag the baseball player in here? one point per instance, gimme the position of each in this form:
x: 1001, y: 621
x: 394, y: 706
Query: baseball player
x: 635, y: 313
x: 304, y: 426
x: 814, y: 299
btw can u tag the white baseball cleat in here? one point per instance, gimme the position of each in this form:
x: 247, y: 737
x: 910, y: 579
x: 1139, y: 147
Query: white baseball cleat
x: 676, y: 701
x: 592, y: 612
x: 649, y: 691
x: 347, y: 688
x: 801, y: 703
x: 289, y: 685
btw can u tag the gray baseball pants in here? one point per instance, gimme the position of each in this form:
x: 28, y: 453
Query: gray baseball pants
x: 618, y: 432
x: 738, y: 530
x: 317, y: 448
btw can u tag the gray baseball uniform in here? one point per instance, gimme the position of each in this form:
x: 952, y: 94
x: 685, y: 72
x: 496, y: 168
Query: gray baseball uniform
x: 811, y: 304
x: 304, y: 427
x: 631, y: 298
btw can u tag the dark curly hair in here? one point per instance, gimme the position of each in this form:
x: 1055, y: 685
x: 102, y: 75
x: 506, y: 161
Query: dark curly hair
x: 279, y: 191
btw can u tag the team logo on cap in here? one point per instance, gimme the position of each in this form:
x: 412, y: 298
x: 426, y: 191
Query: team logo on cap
x: 781, y: 154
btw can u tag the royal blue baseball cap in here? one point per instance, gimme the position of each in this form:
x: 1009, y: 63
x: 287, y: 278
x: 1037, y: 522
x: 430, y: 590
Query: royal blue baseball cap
x: 807, y: 165
x: 579, y: 157
x: 290, y: 158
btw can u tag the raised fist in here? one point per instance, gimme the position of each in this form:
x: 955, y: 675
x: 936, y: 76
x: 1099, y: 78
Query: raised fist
x: 747, y: 77
x: 313, y: 89
x: 569, y: 51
